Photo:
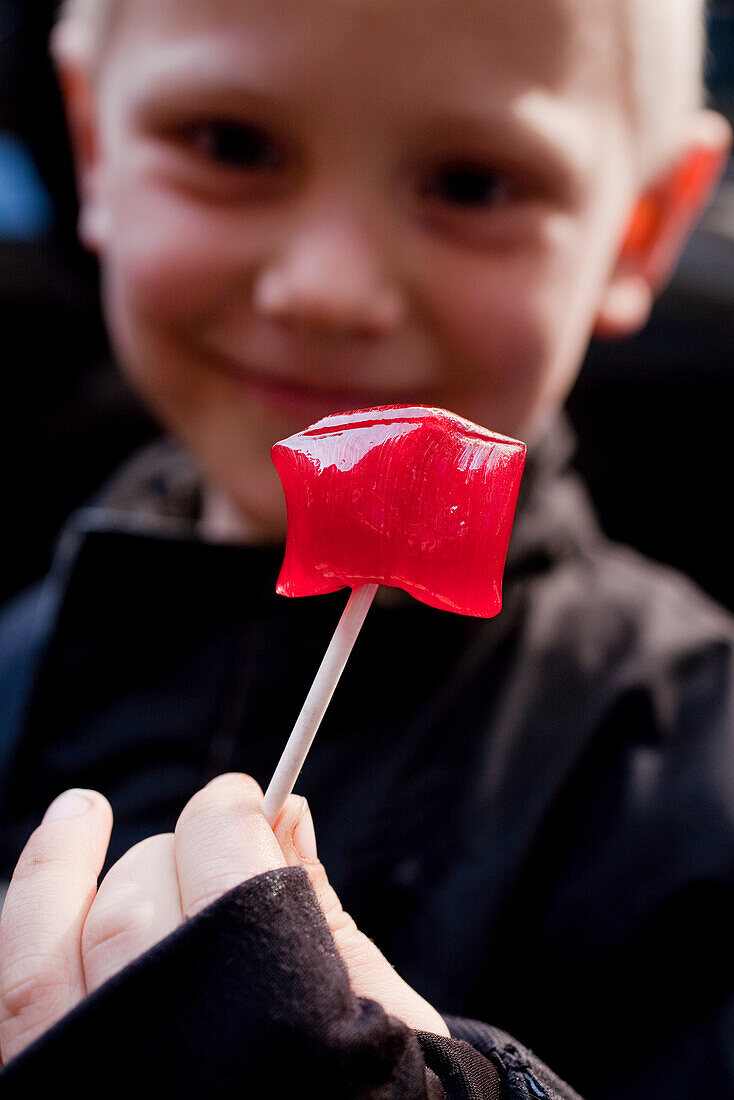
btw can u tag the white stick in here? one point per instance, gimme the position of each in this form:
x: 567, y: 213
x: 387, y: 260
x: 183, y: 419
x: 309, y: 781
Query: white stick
x: 317, y: 700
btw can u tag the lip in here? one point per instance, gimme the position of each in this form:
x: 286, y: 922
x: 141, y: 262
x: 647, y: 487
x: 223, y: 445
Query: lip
x: 304, y: 399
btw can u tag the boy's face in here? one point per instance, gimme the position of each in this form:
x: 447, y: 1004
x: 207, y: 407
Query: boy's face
x: 304, y: 206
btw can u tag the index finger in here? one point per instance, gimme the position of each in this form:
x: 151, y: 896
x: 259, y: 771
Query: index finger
x: 223, y: 839
x: 53, y: 886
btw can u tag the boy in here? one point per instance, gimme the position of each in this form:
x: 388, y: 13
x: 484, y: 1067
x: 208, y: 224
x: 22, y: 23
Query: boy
x: 316, y: 205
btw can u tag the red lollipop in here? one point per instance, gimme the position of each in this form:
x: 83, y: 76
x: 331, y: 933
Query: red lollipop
x: 402, y: 495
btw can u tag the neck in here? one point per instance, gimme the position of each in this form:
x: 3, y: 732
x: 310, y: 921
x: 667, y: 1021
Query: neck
x: 223, y: 521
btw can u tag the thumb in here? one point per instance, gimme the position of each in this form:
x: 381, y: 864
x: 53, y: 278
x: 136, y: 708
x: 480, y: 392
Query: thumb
x: 370, y: 974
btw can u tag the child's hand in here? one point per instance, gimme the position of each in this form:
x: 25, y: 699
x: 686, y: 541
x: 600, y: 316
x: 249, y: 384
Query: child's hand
x: 60, y: 938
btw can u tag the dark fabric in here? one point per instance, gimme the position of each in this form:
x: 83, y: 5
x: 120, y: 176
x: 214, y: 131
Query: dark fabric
x: 532, y: 815
x: 522, y: 1075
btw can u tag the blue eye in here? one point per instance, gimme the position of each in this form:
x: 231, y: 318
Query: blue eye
x: 238, y: 145
x: 466, y: 185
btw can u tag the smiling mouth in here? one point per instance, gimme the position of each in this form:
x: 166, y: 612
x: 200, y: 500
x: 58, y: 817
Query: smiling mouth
x: 306, y: 398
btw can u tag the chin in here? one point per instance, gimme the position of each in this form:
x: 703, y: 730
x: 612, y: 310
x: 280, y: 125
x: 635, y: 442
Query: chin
x: 261, y: 517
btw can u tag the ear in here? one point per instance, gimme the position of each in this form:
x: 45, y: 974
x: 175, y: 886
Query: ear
x: 72, y: 51
x: 660, y: 223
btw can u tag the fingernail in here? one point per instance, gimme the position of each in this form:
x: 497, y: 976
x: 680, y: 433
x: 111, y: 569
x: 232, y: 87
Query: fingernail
x: 69, y: 804
x: 304, y: 835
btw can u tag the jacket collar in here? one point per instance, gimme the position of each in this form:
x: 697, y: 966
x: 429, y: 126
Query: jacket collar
x: 159, y: 493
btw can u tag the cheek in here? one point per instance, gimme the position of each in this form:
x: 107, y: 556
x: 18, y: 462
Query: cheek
x: 517, y: 323
x: 167, y: 266
x: 499, y: 313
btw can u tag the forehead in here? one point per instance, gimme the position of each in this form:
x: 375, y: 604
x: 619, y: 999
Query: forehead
x: 552, y: 43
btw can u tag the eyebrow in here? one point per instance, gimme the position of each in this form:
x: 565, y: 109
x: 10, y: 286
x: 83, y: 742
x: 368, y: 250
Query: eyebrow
x: 533, y: 123
x: 202, y: 57
x: 191, y: 78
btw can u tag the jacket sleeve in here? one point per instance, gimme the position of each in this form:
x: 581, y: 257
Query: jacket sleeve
x: 25, y: 628
x: 250, y: 998
x: 523, y: 1076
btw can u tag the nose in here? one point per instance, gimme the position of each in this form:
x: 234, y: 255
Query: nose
x: 329, y: 279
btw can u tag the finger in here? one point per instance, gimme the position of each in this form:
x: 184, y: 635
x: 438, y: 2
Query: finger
x: 370, y: 974
x: 222, y: 839
x: 52, y: 889
x: 136, y: 906
x: 295, y: 833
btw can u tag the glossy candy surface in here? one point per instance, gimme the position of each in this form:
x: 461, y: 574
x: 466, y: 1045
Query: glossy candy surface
x: 408, y: 496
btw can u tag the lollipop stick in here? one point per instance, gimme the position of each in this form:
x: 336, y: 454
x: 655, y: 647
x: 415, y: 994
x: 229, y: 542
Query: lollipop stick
x: 317, y: 700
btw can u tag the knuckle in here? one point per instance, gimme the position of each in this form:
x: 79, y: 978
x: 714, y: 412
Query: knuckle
x: 33, y: 987
x: 119, y: 925
x: 320, y: 882
x: 341, y: 925
x: 211, y: 890
x: 36, y: 858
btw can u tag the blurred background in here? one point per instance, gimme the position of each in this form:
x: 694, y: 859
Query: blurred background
x: 652, y: 414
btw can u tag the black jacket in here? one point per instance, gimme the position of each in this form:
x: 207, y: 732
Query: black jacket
x: 532, y: 815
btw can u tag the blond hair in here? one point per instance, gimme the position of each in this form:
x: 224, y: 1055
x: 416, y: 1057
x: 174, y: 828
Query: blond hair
x: 90, y: 14
x: 663, y: 43
x: 660, y: 60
